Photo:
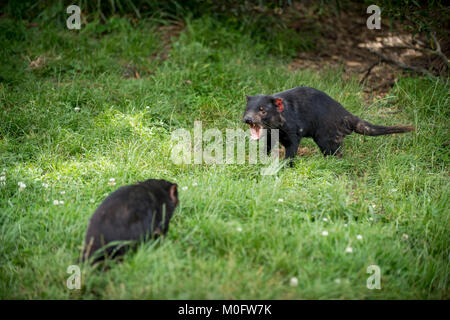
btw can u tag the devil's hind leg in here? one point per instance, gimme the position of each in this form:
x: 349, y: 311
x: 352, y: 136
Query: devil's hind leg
x: 329, y: 146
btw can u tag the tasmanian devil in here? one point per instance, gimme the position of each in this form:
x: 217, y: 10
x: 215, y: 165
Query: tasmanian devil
x: 307, y: 112
x: 132, y: 213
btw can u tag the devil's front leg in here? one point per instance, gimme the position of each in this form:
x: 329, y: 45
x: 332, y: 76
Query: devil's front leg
x: 291, y: 144
x: 270, y: 141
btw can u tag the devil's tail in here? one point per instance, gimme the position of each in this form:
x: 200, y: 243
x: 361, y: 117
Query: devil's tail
x: 363, y: 127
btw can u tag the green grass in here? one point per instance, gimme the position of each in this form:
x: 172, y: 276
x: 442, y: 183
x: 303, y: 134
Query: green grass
x: 384, y: 187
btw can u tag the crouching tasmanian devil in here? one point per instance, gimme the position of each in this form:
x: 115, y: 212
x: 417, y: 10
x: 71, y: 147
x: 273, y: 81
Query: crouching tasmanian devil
x: 307, y: 112
x: 131, y: 213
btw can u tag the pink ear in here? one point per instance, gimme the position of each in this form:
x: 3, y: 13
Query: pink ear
x: 279, y: 103
x: 174, y: 194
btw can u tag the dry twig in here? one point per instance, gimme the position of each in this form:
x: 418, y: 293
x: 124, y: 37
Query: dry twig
x: 437, y: 51
x: 400, y: 64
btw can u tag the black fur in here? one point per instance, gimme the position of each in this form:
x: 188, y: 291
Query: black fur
x: 308, y: 112
x: 131, y: 213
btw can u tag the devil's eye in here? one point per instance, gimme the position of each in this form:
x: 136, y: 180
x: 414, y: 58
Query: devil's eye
x: 262, y: 110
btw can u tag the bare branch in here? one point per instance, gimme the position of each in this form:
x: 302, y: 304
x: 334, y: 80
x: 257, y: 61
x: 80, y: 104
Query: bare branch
x: 411, y: 48
x: 439, y: 52
x: 400, y: 64
x: 368, y: 70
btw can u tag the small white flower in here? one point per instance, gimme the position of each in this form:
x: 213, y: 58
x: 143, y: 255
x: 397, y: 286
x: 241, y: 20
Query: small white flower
x: 77, y: 109
x: 325, y: 219
x: 2, y: 178
x: 92, y: 201
x: 345, y: 225
x: 194, y: 184
x: 276, y: 210
x: 280, y: 200
x: 147, y: 107
x: 405, y: 236
x: 325, y: 233
x: 359, y: 237
x: 45, y: 185
x: 371, y: 219
x: 55, y: 202
x: 112, y: 182
x: 61, y: 202
x: 337, y: 280
x: 62, y: 192
x: 239, y: 229
x: 21, y: 185
x: 184, y: 188
x: 349, y: 250
x: 293, y: 282
x: 374, y: 205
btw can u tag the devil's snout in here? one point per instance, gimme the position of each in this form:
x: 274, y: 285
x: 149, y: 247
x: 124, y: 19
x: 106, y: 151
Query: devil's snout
x: 248, y: 120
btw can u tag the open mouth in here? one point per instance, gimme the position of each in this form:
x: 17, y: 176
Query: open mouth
x: 255, y: 131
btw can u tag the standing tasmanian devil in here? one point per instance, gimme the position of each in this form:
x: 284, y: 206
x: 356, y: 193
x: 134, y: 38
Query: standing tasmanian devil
x: 131, y: 213
x: 307, y: 112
